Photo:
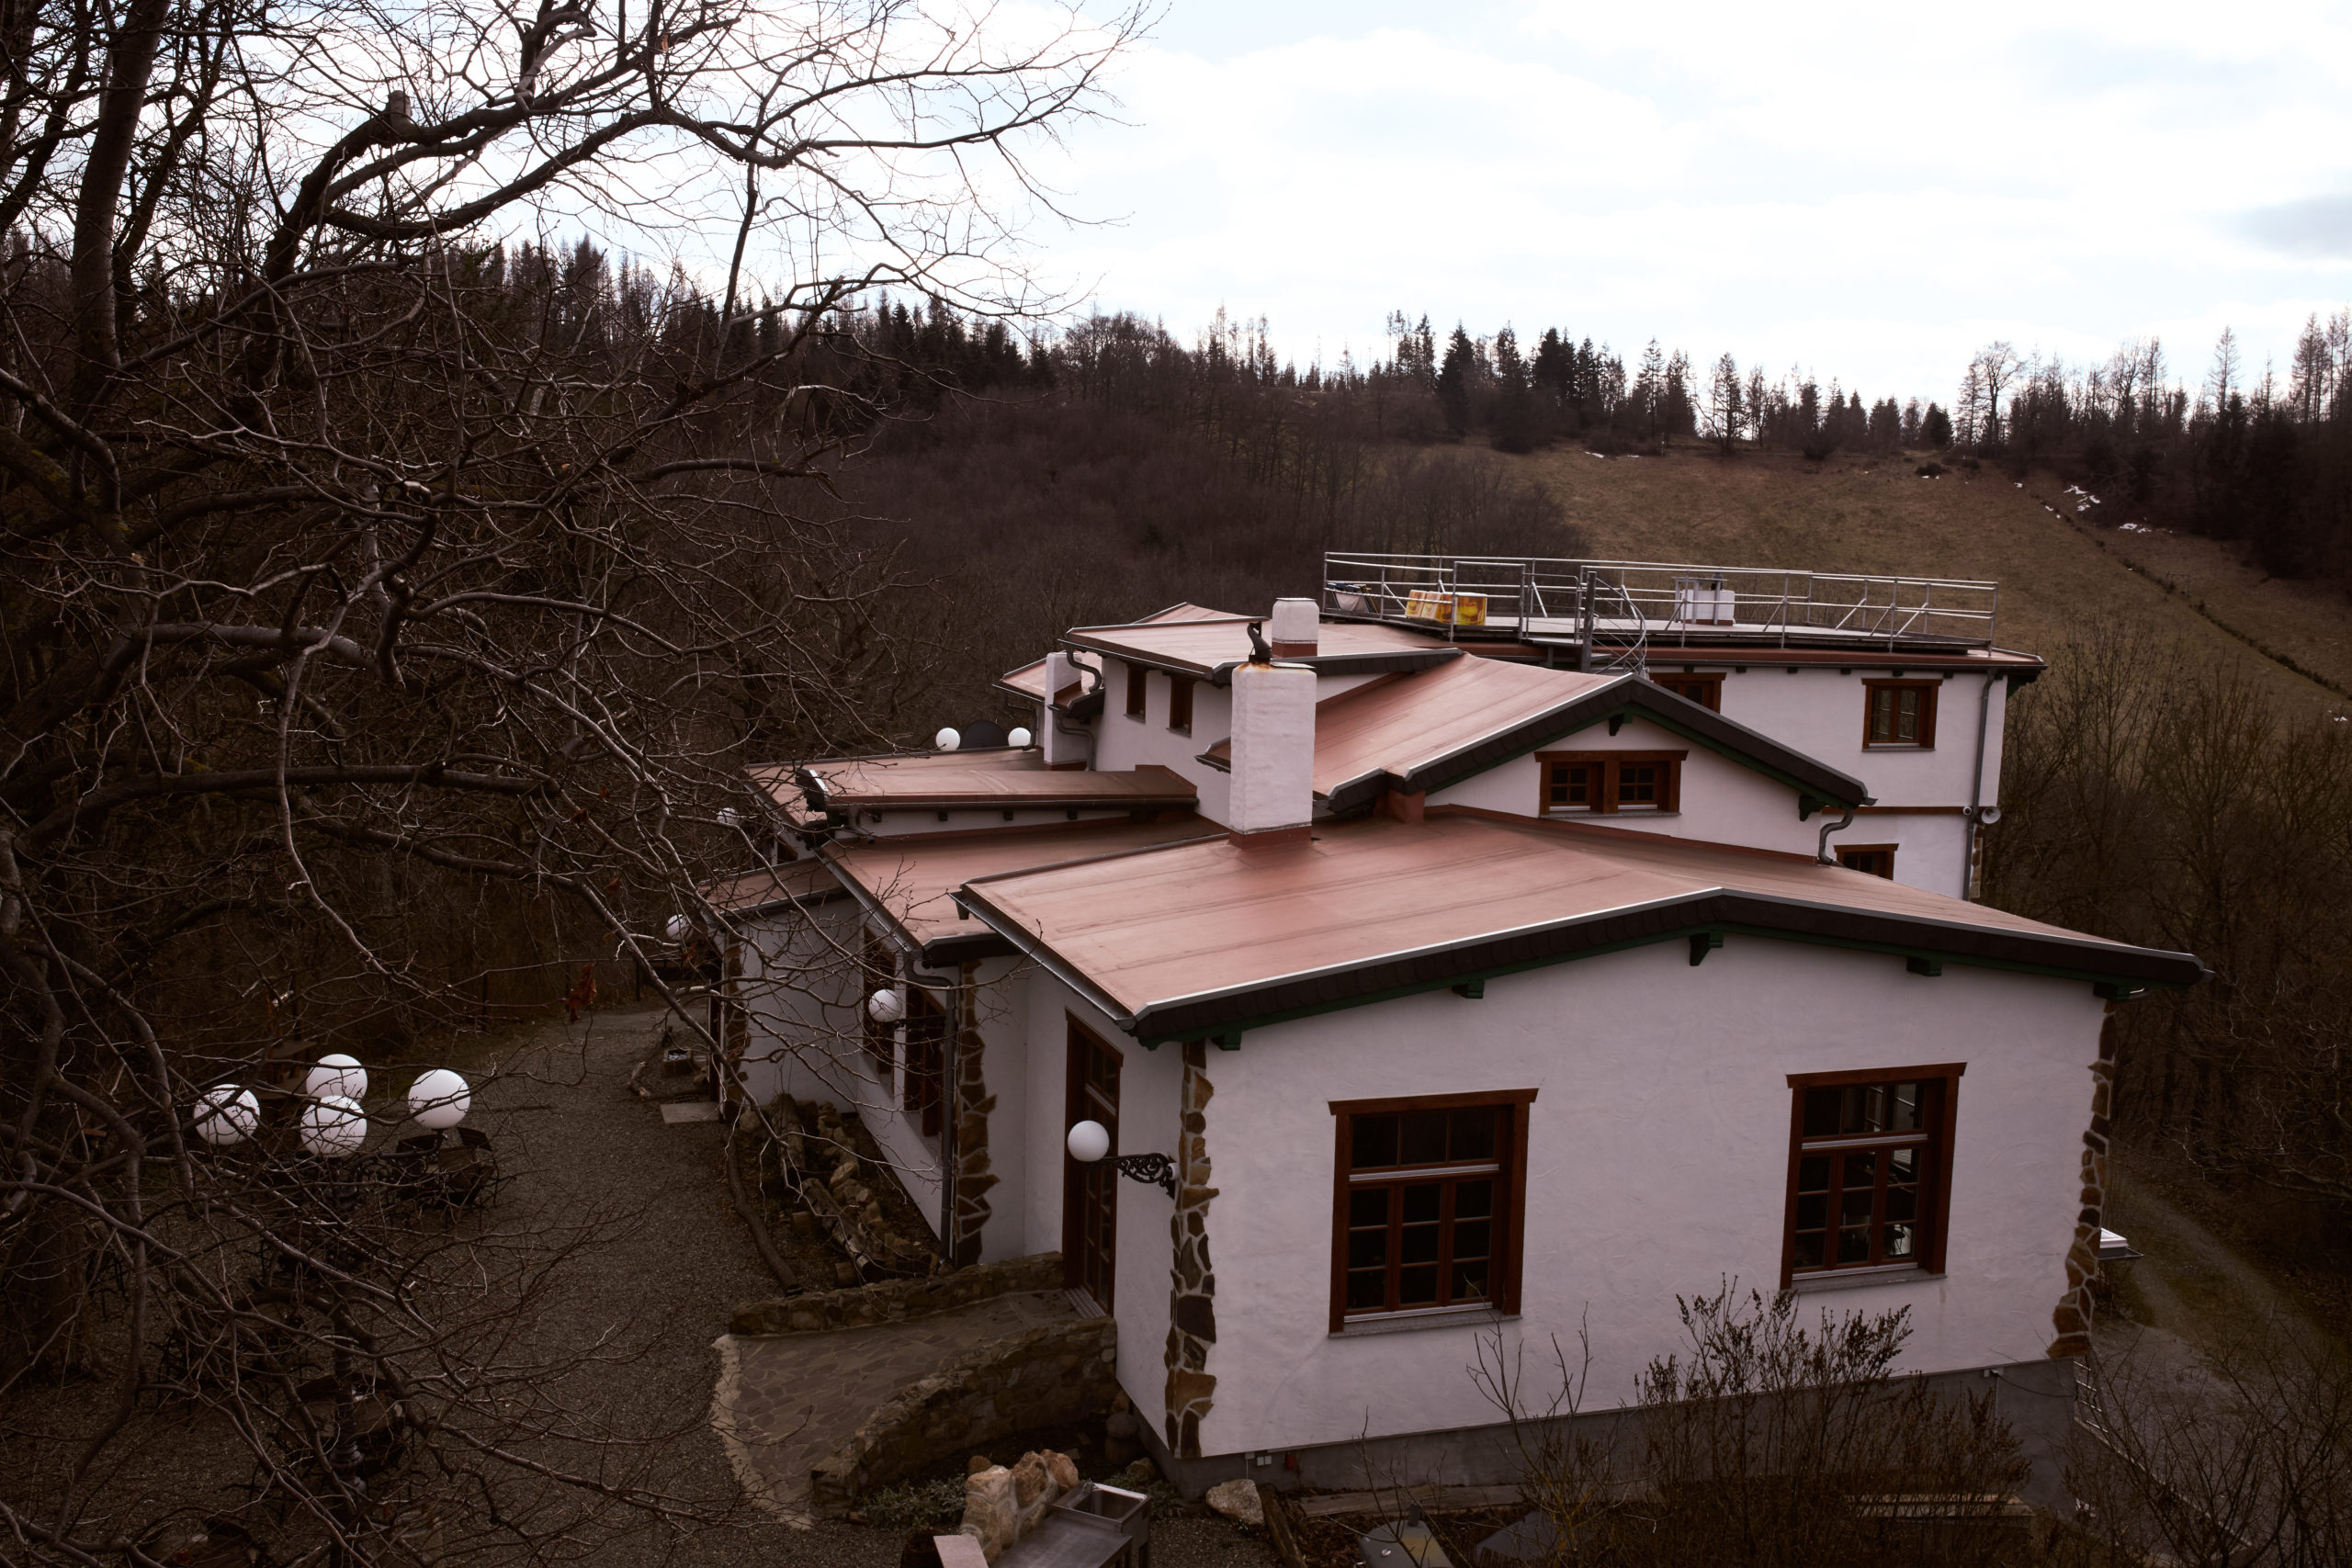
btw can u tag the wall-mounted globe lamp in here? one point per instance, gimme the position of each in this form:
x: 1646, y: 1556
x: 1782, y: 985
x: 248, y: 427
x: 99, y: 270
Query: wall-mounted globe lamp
x: 886, y: 1006
x: 1089, y: 1143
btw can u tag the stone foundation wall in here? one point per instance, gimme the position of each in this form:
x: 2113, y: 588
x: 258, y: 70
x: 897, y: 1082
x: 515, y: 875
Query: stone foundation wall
x: 1192, y: 1288
x: 2073, y: 1318
x: 973, y: 1104
x: 889, y: 1301
x: 1041, y: 1377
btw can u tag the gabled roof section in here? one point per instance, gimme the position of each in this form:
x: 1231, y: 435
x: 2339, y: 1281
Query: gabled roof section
x: 911, y: 881
x: 1209, y: 650
x: 771, y: 888
x: 1423, y: 732
x: 808, y: 792
x: 1029, y: 681
x: 1207, y: 937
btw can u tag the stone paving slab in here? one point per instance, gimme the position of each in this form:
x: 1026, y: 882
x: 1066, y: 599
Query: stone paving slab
x: 786, y: 1401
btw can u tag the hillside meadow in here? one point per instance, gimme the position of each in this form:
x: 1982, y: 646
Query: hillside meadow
x: 2057, y: 577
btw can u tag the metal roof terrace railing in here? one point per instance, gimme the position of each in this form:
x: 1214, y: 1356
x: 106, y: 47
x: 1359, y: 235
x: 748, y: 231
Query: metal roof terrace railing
x: 1636, y: 605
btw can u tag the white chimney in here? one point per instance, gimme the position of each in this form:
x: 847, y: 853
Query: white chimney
x: 1274, y: 753
x: 1059, y: 750
x: 1297, y: 624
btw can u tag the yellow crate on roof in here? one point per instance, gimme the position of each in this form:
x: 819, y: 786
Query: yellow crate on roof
x: 1462, y: 609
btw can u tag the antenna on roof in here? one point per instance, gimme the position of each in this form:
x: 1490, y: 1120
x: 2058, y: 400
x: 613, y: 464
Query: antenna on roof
x: 1259, y: 652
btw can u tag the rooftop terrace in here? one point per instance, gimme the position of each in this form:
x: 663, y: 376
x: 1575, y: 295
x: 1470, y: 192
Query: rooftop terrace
x: 1610, y: 612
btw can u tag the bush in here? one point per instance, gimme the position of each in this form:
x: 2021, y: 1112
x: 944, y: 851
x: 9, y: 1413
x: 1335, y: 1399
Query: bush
x: 916, y: 1504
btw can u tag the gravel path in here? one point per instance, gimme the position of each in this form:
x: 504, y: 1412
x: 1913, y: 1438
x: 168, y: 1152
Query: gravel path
x: 671, y: 1259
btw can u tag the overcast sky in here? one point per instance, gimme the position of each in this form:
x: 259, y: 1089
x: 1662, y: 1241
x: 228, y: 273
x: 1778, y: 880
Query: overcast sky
x: 1871, y: 190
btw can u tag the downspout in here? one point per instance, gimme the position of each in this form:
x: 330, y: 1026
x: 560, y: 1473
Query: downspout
x: 1084, y: 732
x: 950, y: 1114
x: 1837, y: 826
x: 1976, y: 787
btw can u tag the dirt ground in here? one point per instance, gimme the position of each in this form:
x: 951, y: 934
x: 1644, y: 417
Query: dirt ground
x: 647, y: 1299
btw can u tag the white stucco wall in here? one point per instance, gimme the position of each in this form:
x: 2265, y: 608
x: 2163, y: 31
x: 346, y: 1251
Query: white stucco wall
x: 1820, y: 713
x: 799, y: 991
x: 1722, y: 802
x: 1658, y: 1163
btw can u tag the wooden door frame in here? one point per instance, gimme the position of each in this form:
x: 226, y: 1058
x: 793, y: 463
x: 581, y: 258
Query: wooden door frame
x: 1076, y: 1109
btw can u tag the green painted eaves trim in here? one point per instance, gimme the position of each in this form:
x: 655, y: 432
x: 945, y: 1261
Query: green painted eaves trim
x: 1680, y: 933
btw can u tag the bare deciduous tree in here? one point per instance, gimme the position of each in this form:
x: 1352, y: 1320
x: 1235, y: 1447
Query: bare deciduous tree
x: 378, y: 578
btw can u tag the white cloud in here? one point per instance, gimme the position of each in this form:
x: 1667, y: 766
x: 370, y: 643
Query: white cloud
x: 1870, y: 190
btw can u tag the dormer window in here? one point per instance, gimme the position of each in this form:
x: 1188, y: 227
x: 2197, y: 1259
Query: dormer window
x: 1707, y: 691
x: 1900, y: 713
x: 1575, y: 783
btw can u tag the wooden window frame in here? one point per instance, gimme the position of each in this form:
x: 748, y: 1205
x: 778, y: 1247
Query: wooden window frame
x: 1180, y: 704
x: 922, y: 1094
x: 1609, y: 805
x: 1711, y: 685
x: 1138, y: 690
x: 1935, y: 1202
x: 1886, y: 849
x: 1510, y: 1223
x: 1927, y: 690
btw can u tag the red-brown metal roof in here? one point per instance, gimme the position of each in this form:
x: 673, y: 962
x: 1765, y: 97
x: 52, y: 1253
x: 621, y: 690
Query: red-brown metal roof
x: 1398, y: 723
x: 800, y: 881
x: 1212, y: 934
x: 911, y: 878
x: 1029, y: 681
x: 1010, y: 778
x: 1203, y: 647
x: 1428, y: 728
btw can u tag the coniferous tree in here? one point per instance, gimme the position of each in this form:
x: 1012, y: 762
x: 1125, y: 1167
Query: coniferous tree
x: 1555, y: 372
x: 1514, y: 398
x: 1455, y: 378
x: 1727, y: 398
x: 1934, y: 428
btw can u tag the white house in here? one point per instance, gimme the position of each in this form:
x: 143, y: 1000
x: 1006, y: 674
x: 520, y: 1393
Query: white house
x: 1468, y: 988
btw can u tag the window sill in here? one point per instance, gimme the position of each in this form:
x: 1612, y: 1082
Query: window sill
x: 1895, y: 746
x: 1855, y: 1278
x: 1411, y: 1322
x: 1609, y: 815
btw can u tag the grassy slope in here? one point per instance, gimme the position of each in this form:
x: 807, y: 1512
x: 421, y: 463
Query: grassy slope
x: 1856, y: 514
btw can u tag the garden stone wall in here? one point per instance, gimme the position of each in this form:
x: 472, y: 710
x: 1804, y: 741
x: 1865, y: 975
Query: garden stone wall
x: 1045, y: 1376
x: 893, y: 1301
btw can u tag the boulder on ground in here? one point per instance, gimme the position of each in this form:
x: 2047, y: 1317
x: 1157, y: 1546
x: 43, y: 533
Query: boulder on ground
x: 1237, y: 1501
x: 991, y: 1515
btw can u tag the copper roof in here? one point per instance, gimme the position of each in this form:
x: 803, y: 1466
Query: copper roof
x: 1212, y: 935
x: 747, y: 892
x: 925, y: 779
x: 1429, y: 729
x: 1029, y: 681
x: 910, y: 879
x: 1210, y: 648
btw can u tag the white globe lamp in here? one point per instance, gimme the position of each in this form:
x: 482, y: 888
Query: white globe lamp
x: 333, y: 1127
x: 677, y: 928
x: 227, y: 1115
x: 1019, y: 739
x: 885, y: 1006
x: 439, y: 1099
x: 947, y: 739
x: 336, y: 1076
x: 1088, y: 1141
